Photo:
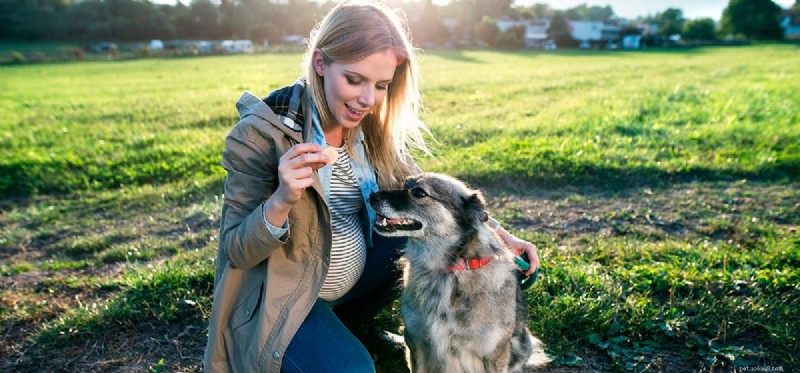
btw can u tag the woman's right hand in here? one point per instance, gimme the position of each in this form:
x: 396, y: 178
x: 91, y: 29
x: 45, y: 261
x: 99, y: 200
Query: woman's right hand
x: 294, y: 173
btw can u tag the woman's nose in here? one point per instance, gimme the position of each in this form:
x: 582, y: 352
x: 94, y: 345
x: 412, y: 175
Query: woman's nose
x: 367, y: 98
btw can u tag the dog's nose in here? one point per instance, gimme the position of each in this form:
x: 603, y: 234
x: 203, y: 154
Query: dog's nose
x: 373, y: 198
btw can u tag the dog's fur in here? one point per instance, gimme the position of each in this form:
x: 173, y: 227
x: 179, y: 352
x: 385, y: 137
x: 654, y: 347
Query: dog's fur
x: 459, y: 321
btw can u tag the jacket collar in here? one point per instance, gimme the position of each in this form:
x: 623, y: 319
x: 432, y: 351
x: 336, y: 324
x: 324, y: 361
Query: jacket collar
x: 248, y: 104
x: 288, y: 109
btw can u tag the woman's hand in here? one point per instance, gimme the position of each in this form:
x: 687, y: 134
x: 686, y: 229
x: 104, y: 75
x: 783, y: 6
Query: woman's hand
x: 295, y: 172
x: 518, y: 246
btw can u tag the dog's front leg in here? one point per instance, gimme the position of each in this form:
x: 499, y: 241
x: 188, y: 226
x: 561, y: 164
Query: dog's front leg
x: 418, y: 355
x: 412, y: 358
x: 499, y: 361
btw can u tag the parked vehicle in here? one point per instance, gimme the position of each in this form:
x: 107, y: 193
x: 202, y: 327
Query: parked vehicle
x: 104, y: 47
x: 237, y: 46
x: 156, y: 45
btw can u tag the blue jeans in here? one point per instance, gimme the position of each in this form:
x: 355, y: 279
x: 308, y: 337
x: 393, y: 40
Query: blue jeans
x: 323, y: 343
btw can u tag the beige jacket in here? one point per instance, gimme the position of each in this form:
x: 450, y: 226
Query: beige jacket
x: 263, y: 287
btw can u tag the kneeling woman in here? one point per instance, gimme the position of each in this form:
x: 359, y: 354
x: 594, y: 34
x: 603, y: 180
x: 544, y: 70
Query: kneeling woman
x: 296, y: 250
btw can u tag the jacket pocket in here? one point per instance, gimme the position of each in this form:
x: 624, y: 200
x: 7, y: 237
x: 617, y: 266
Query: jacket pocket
x: 246, y: 309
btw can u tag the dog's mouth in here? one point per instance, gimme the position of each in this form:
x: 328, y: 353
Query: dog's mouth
x: 384, y: 224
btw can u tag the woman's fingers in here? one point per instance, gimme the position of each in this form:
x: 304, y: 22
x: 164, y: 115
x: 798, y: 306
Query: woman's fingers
x: 296, y: 170
x: 303, y: 155
x: 301, y: 149
x: 533, y: 257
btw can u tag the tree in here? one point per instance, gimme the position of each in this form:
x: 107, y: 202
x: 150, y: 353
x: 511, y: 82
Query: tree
x: 487, y: 30
x: 700, y: 29
x: 428, y: 27
x: 491, y: 8
x: 670, y: 22
x: 590, y: 13
x: 514, y: 37
x: 757, y: 19
x: 559, y: 30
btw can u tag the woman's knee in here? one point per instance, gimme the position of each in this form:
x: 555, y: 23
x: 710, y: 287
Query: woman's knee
x: 354, y: 363
x: 359, y: 360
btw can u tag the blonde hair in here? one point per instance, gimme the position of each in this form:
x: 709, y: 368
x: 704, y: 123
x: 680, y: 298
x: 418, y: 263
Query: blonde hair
x: 354, y: 30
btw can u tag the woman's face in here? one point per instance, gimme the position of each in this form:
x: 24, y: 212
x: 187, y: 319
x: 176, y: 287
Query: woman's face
x: 353, y: 89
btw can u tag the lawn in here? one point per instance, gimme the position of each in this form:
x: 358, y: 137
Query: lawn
x: 661, y: 187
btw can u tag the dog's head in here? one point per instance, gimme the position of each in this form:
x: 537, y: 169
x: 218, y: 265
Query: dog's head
x: 431, y: 206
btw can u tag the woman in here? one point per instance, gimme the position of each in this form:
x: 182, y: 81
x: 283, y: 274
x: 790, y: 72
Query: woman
x: 296, y: 247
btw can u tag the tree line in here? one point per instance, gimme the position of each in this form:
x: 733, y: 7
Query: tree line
x: 258, y: 20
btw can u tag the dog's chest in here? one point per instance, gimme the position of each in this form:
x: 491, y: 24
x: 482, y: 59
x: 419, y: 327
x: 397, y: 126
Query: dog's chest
x: 460, y: 312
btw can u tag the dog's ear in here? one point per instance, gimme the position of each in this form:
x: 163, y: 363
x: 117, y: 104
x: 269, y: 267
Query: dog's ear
x: 476, y: 207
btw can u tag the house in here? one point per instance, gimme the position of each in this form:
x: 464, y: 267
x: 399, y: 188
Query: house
x: 535, y: 31
x: 595, y: 34
x: 790, y: 23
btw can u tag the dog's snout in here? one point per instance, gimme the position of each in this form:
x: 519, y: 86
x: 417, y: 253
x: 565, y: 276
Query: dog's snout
x: 373, y: 198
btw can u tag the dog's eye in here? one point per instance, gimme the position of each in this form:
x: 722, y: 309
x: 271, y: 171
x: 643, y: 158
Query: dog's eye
x: 418, y: 193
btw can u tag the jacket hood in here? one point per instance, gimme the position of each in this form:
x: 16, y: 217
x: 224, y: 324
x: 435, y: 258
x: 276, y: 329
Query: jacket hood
x: 249, y: 104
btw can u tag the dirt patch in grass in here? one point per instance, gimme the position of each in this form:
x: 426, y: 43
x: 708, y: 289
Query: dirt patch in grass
x: 705, y: 209
x: 138, y: 348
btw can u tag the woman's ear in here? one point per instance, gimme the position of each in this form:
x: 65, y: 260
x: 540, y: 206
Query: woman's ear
x: 318, y: 61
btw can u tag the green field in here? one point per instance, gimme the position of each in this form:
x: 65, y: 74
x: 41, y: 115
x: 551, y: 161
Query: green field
x: 661, y: 187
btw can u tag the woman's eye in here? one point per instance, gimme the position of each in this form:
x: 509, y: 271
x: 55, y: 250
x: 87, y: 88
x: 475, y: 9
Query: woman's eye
x: 418, y: 193
x: 352, y: 81
x: 382, y: 87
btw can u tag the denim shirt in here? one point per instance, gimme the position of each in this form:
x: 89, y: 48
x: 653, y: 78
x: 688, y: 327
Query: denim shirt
x: 363, y: 171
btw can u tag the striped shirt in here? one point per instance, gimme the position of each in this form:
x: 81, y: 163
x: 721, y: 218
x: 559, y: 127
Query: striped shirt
x: 348, y: 252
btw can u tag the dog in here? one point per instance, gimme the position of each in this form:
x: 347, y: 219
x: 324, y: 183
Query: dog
x: 462, y: 306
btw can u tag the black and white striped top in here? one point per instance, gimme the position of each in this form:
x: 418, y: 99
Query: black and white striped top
x: 348, y: 253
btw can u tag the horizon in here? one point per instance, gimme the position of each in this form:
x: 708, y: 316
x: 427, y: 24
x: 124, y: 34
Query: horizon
x: 630, y: 9
x: 633, y: 9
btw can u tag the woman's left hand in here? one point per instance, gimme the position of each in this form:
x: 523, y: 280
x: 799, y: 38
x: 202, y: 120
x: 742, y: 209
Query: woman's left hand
x: 518, y: 246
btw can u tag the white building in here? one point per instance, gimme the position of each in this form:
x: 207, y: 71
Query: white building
x: 535, y: 31
x: 594, y: 33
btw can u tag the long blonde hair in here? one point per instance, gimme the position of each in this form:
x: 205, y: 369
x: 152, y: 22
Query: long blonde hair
x: 350, y: 32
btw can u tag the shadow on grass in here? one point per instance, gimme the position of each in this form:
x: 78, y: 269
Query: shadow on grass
x: 225, y: 122
x: 84, y: 225
x: 455, y: 55
x: 561, y: 173
x: 28, y: 178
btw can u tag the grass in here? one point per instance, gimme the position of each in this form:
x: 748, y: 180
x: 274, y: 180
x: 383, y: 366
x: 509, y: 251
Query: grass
x: 660, y: 187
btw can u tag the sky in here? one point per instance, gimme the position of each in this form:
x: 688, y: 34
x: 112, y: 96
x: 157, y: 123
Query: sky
x: 634, y: 8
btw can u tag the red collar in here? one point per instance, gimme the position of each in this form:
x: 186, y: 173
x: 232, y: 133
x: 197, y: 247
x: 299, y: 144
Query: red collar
x: 463, y: 264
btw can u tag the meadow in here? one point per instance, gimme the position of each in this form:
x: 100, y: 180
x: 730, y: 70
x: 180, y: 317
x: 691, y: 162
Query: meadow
x: 661, y: 187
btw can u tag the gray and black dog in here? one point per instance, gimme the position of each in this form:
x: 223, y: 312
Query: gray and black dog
x: 462, y: 306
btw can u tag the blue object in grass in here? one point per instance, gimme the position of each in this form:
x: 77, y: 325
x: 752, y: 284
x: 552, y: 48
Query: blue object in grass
x: 524, y: 265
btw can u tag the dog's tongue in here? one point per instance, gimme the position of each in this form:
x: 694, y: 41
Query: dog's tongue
x: 382, y: 220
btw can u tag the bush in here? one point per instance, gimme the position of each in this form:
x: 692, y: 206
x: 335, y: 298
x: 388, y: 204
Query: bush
x: 514, y: 37
x: 17, y: 57
x: 507, y: 40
